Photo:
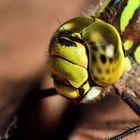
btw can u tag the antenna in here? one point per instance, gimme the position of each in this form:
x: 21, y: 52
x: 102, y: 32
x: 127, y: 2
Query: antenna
x: 61, y: 25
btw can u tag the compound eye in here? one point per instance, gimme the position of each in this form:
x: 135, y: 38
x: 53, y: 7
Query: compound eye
x: 68, y: 58
x: 106, y: 55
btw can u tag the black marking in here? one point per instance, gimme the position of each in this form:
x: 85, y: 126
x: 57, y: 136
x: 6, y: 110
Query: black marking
x: 81, y: 91
x: 103, y: 47
x: 110, y: 59
x: 66, y: 42
x: 99, y: 70
x: 76, y: 39
x: 91, y: 82
x: 95, y: 78
x: 93, y: 58
x: 107, y: 71
x: 91, y: 43
x: 93, y: 46
x: 103, y: 58
x: 124, y: 52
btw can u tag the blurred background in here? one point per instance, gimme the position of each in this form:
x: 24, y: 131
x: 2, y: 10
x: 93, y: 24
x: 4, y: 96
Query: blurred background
x: 26, y: 27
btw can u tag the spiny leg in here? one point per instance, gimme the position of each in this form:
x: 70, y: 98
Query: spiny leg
x: 125, y: 133
x: 135, y: 107
x: 132, y: 104
x: 129, y: 101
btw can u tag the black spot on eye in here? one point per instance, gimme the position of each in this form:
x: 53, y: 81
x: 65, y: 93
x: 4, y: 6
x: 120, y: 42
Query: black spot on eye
x: 103, y: 47
x: 93, y: 58
x: 99, y: 70
x: 66, y: 42
x: 95, y: 78
x: 81, y: 91
x: 93, y: 46
x: 110, y: 59
x: 103, y: 58
x: 91, y: 43
x: 76, y: 39
x: 107, y: 71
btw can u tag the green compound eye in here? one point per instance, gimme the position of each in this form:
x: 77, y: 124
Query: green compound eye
x: 85, y: 49
x: 106, y: 57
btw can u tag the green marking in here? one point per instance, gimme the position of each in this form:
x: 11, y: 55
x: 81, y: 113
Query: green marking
x: 128, y: 12
x: 128, y: 65
x: 137, y: 54
x: 128, y: 44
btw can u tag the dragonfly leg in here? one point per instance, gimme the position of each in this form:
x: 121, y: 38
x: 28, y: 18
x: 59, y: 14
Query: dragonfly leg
x: 125, y: 133
x: 45, y: 93
x: 129, y: 101
x: 135, y: 107
x: 132, y: 103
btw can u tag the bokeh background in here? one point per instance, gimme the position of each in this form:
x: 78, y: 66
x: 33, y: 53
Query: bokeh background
x: 26, y: 27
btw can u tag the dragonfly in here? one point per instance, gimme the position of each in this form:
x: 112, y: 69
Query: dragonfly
x: 91, y: 56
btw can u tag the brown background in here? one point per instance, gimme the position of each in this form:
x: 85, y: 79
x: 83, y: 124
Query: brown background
x: 26, y: 27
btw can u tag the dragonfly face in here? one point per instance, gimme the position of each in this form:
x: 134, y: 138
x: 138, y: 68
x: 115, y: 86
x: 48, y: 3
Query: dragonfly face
x: 85, y: 57
x: 90, y: 56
